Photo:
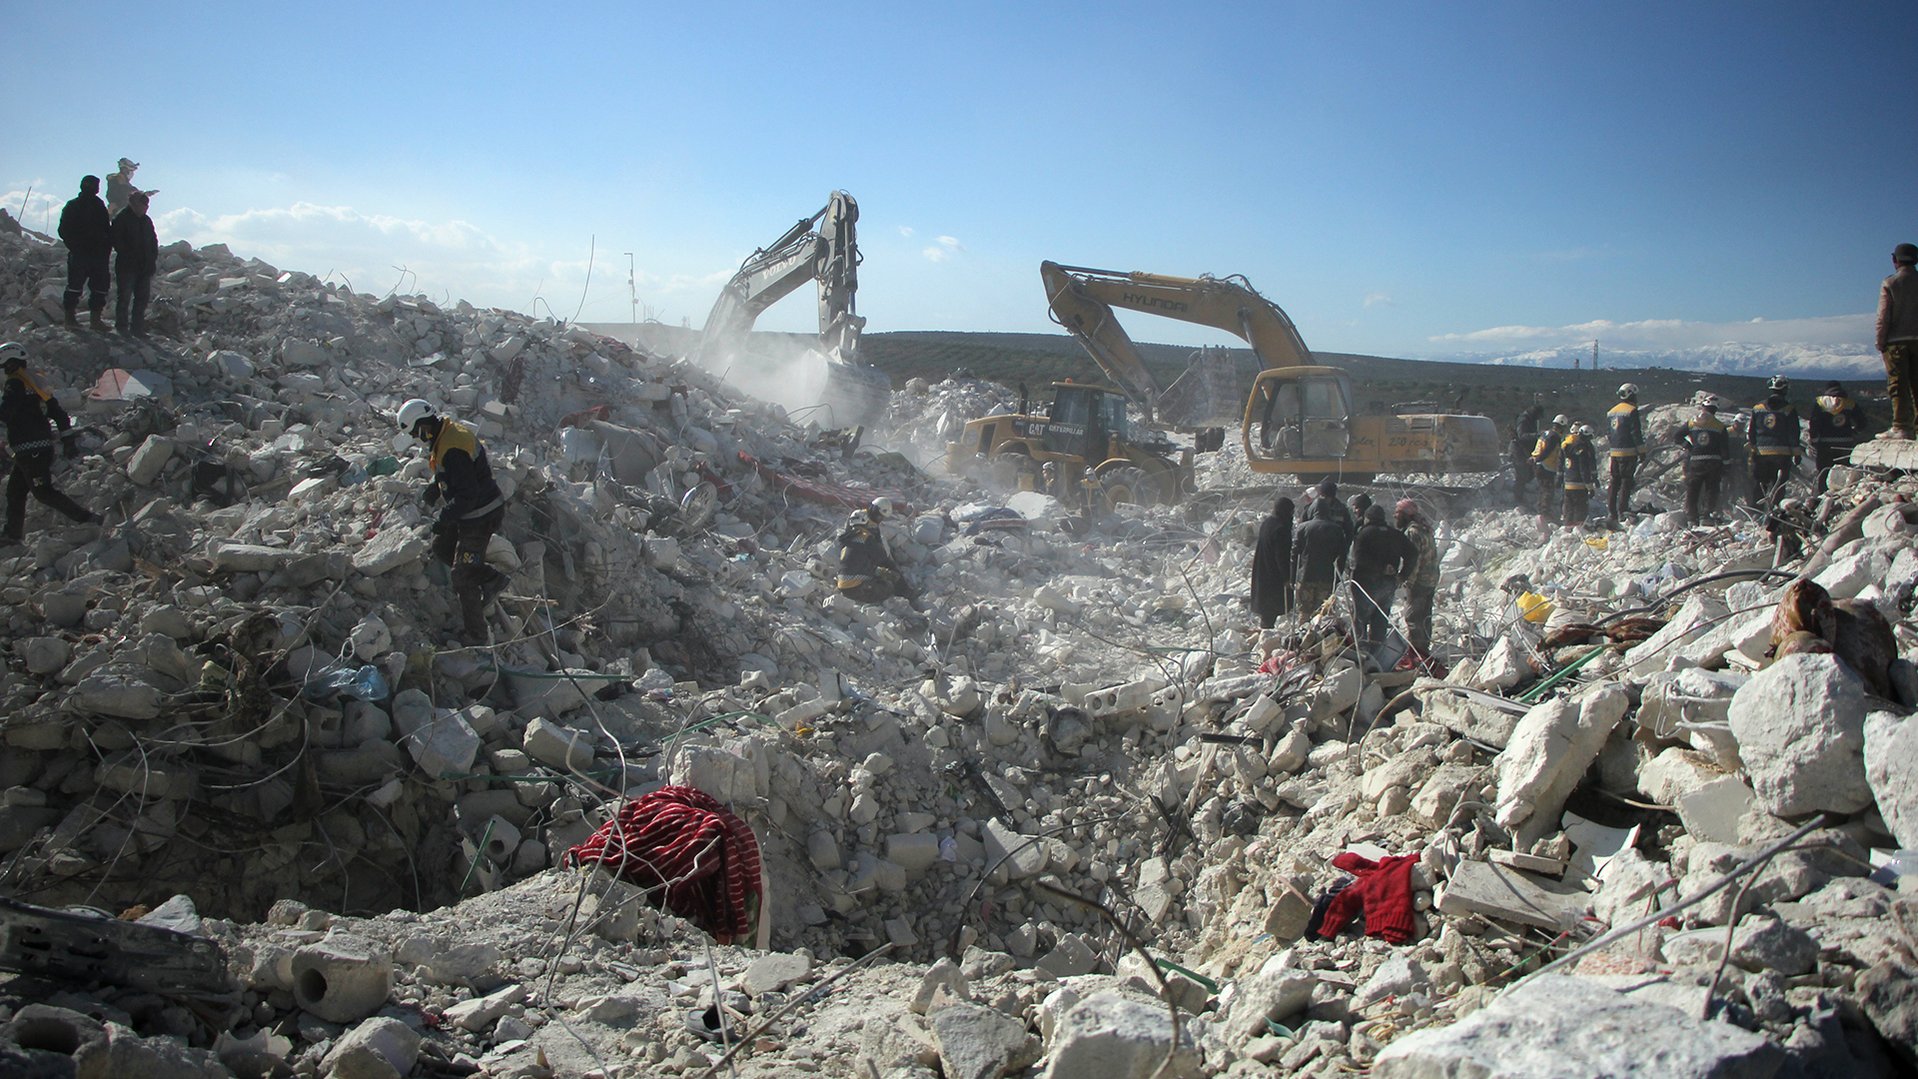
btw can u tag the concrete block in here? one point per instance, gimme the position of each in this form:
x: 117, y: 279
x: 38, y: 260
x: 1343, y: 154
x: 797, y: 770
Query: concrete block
x: 1509, y: 895
x: 1712, y: 811
x: 389, y: 550
x: 480, y: 1013
x: 445, y: 745
x: 915, y: 852
x: 557, y: 746
x: 343, y: 978
x: 376, y: 1043
x: 1287, y: 915
x: 147, y: 462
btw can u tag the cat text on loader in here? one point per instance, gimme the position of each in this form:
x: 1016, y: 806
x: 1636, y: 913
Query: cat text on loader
x: 1299, y: 418
x: 1085, y: 449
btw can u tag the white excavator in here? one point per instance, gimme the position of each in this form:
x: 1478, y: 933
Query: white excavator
x: 821, y: 248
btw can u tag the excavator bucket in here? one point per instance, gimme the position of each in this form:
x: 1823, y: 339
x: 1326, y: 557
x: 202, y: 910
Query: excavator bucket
x: 856, y: 394
x: 1209, y: 393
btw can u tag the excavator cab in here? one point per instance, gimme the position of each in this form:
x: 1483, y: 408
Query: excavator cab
x: 1300, y: 414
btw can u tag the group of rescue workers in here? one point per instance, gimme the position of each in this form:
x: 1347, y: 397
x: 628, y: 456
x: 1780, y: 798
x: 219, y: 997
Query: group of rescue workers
x: 1299, y: 571
x: 1561, y: 458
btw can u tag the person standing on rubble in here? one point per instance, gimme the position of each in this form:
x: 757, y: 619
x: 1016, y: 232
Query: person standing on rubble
x: 1381, y: 558
x: 1898, y: 340
x: 867, y: 573
x: 1774, y: 444
x: 1524, y: 440
x: 1318, y: 553
x: 32, y: 415
x: 1546, y: 455
x: 120, y: 189
x: 136, y: 255
x: 1704, y: 441
x: 1421, y: 586
x: 475, y: 507
x: 87, y: 230
x: 1578, y: 464
x: 1837, y: 425
x: 1272, y: 565
x: 1328, y: 491
x: 1625, y: 430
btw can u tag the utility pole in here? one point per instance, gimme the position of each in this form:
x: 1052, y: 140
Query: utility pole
x: 632, y: 287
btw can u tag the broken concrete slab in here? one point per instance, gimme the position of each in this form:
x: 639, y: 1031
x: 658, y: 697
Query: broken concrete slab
x: 1559, y: 1027
x: 1505, y: 894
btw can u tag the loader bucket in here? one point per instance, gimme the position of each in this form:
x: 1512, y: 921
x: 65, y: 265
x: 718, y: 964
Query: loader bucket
x: 856, y: 394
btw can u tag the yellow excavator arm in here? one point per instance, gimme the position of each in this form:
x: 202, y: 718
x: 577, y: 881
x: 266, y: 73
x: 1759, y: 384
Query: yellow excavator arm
x: 1082, y: 300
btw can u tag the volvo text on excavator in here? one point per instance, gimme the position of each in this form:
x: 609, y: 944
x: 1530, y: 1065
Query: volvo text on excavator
x: 821, y: 248
x: 1298, y: 419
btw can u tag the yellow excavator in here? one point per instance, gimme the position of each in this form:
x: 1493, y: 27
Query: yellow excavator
x: 822, y: 248
x: 1299, y: 418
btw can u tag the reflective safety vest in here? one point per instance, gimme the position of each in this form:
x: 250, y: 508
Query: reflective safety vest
x: 1581, y: 464
x: 1545, y: 454
x: 1774, y: 428
x: 1704, y: 439
x: 1627, y: 434
x: 1841, y: 426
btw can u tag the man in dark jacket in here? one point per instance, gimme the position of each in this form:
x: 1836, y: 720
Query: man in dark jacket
x: 31, y: 415
x: 1837, y: 426
x: 1318, y: 554
x: 88, y: 233
x: 1328, y: 490
x: 137, y: 254
x: 1381, y: 557
x: 1272, y: 565
x: 1898, y: 340
x: 474, y: 509
x: 1578, y: 469
x: 1524, y: 438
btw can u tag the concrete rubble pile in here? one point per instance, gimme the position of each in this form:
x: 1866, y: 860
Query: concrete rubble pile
x: 1069, y: 819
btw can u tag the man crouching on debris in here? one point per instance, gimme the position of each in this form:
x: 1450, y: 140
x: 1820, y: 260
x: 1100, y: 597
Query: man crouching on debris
x: 474, y: 509
x: 31, y: 414
x: 866, y: 570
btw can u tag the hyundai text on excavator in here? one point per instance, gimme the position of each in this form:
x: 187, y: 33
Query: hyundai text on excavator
x: 1299, y: 419
x: 821, y: 248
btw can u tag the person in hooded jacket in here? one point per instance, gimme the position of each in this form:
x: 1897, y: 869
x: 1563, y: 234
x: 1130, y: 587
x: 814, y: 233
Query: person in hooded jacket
x: 87, y: 230
x: 1524, y: 440
x: 32, y: 416
x: 136, y: 255
x: 1381, y: 558
x: 1272, y: 565
x: 1318, y: 554
x: 1897, y: 340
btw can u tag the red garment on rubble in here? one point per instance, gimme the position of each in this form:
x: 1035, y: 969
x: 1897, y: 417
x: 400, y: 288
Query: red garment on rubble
x: 1383, y: 892
x: 682, y: 839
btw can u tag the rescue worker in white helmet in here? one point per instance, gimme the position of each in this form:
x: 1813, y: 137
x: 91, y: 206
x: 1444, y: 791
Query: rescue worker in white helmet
x: 1774, y: 444
x: 1705, y: 443
x: 1546, y: 456
x: 1625, y: 430
x: 475, y: 507
x: 1578, y: 466
x: 867, y: 573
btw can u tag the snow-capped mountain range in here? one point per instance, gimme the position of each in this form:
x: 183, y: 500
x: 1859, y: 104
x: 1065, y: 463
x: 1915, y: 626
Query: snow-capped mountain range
x: 1730, y: 358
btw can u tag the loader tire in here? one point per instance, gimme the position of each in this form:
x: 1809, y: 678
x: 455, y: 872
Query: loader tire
x: 1128, y: 486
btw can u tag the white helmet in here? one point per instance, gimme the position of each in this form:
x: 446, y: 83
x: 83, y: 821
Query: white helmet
x: 412, y: 412
x: 1707, y: 400
x: 1628, y: 391
x: 1561, y: 420
x: 13, y: 351
x: 1584, y: 430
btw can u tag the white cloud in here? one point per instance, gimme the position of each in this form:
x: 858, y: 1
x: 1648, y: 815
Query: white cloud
x: 1668, y: 333
x: 906, y: 231
x: 1376, y: 299
x: 943, y: 249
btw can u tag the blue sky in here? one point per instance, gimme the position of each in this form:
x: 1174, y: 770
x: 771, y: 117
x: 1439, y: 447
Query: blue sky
x: 1406, y: 179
